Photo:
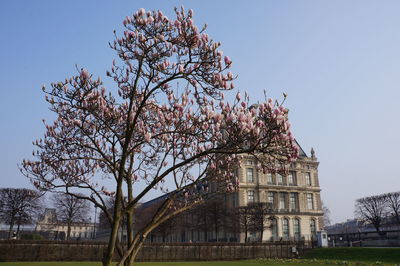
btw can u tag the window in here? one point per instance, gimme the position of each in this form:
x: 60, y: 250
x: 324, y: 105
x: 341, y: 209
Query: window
x: 280, y: 179
x: 271, y: 197
x: 296, y: 228
x: 285, y: 228
x: 250, y: 176
x: 250, y: 196
x: 249, y: 162
x: 308, y: 178
x: 281, y: 201
x: 234, y: 199
x: 269, y: 178
x: 274, y: 229
x: 313, y: 227
x: 293, y: 201
x: 292, y: 178
x: 310, y: 201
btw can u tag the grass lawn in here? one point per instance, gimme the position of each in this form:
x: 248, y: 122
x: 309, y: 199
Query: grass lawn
x: 326, y: 256
x: 202, y: 263
x: 385, y: 255
x: 302, y: 262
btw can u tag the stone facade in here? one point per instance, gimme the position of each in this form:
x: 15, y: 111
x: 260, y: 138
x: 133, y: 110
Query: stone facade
x: 295, y: 198
x: 55, y: 229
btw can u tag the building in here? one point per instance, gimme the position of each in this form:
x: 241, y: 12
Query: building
x: 356, y: 232
x: 49, y: 226
x: 296, y: 212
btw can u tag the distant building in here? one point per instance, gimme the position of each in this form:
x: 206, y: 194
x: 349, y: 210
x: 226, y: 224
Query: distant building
x: 52, y: 228
x: 356, y: 232
x: 295, y: 199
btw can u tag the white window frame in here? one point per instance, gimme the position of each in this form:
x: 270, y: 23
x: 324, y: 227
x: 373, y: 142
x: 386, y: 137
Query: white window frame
x: 296, y: 228
x: 269, y: 178
x: 310, y: 201
x: 293, y: 200
x: 307, y: 177
x: 285, y: 228
x: 271, y: 197
x: 250, y: 196
x: 313, y: 226
x: 279, y: 178
x: 250, y: 178
x: 282, y: 201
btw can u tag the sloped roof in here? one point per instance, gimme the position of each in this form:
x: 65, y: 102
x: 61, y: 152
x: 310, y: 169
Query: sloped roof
x: 301, y: 151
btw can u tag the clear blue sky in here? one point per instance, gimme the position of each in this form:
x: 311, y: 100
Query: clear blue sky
x: 339, y: 61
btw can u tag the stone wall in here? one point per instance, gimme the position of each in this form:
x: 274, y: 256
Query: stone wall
x: 93, y: 251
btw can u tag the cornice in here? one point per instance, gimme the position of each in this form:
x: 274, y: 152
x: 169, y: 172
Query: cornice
x: 279, y: 188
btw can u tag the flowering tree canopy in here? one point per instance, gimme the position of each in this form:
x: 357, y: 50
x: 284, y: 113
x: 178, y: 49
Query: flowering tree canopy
x: 155, y: 129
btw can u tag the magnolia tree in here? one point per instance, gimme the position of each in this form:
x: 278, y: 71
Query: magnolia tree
x: 154, y: 130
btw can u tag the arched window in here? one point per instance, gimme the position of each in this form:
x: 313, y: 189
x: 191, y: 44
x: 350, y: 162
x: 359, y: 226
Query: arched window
x: 296, y: 229
x: 313, y: 227
x: 285, y: 228
x: 274, y: 229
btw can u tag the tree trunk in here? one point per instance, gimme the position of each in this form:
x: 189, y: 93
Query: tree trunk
x: 11, y: 228
x: 245, y: 234
x: 397, y: 216
x: 18, y: 225
x: 378, y: 229
x: 68, y: 230
x: 136, y: 250
x: 108, y: 256
x: 261, y: 230
x: 129, y: 220
x: 129, y: 232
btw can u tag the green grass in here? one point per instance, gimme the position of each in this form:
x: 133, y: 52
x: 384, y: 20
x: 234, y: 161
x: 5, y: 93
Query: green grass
x: 202, y: 263
x: 302, y: 262
x: 385, y: 255
x: 326, y: 256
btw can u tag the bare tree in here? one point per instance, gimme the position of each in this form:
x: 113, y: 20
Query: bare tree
x: 18, y: 206
x: 393, y: 205
x: 166, y: 228
x: 215, y: 214
x: 260, y: 214
x: 327, y: 214
x: 70, y: 209
x: 244, y: 216
x: 372, y: 210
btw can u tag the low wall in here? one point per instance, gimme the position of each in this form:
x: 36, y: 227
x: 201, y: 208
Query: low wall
x: 93, y: 251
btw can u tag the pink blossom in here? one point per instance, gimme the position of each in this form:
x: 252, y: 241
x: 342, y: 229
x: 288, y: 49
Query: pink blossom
x: 238, y: 96
x: 84, y: 74
x: 150, y: 20
x: 227, y: 60
x: 141, y: 11
x: 147, y: 136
